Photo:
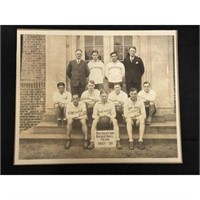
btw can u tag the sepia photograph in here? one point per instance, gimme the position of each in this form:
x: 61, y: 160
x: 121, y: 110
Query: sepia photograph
x: 97, y: 96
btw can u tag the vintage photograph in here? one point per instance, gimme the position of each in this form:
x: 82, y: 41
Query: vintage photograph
x: 97, y: 96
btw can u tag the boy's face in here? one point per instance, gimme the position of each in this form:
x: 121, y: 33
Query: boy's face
x: 61, y: 88
x: 75, y: 99
x: 117, y: 88
x: 104, y: 97
x: 146, y: 87
x: 114, y: 57
x: 133, y: 94
x: 95, y: 56
x: 90, y: 86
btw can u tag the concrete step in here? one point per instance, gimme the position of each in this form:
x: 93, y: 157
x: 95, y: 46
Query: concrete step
x: 77, y: 136
x: 155, y: 128
x: 50, y: 117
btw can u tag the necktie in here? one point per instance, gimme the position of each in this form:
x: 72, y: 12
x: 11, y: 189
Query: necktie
x: 78, y: 61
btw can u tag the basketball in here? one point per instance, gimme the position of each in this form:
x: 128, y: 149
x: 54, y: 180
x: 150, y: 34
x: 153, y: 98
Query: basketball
x: 104, y: 123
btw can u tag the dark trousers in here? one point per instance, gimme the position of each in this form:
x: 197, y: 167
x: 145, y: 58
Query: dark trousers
x: 59, y: 111
x: 150, y: 109
x: 130, y: 85
x: 78, y: 89
x: 112, y: 84
x: 99, y: 86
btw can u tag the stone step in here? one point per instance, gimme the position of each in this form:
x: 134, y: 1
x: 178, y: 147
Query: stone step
x: 155, y: 128
x: 50, y: 117
x: 77, y: 136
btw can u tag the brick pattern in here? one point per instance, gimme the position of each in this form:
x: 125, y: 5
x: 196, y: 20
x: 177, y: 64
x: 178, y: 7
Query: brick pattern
x: 32, y: 80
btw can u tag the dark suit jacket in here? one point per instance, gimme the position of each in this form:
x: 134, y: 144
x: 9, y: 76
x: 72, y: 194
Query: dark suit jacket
x: 78, y: 73
x: 134, y: 70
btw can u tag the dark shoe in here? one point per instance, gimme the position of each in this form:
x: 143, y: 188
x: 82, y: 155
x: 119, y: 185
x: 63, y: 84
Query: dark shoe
x: 118, y: 145
x: 85, y: 144
x: 64, y: 122
x: 67, y: 146
x: 148, y: 122
x: 91, y: 146
x: 141, y: 146
x: 131, y: 146
x: 59, y: 122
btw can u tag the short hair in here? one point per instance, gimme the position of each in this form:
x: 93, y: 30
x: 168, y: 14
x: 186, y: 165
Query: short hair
x: 132, y: 47
x: 114, y: 52
x: 94, y: 51
x: 117, y: 84
x: 103, y: 92
x: 91, y: 81
x: 60, y: 84
x: 79, y: 50
x: 133, y: 90
x: 75, y: 94
x: 146, y: 82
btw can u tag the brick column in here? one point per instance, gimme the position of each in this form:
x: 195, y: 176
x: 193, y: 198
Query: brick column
x: 32, y: 80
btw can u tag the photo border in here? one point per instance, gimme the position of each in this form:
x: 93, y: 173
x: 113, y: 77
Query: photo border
x: 179, y: 28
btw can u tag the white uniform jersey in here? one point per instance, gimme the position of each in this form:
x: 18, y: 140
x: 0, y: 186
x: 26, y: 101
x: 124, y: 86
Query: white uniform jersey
x: 65, y: 97
x: 97, y: 71
x: 76, y: 112
x: 115, y: 71
x: 95, y: 95
x: 134, y: 109
x: 121, y: 97
x: 144, y: 96
x: 91, y: 98
x: 104, y: 109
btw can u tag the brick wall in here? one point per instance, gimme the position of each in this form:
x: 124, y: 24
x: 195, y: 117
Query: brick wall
x: 32, y: 80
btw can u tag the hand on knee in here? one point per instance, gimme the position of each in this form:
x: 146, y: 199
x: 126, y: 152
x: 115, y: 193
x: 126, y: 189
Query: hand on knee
x: 151, y: 104
x: 56, y: 105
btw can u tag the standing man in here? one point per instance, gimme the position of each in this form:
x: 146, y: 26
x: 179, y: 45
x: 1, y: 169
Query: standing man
x: 97, y: 70
x: 114, y: 71
x: 134, y: 69
x: 76, y: 110
x: 134, y: 113
x: 61, y: 98
x: 148, y: 96
x: 104, y: 109
x: 78, y: 72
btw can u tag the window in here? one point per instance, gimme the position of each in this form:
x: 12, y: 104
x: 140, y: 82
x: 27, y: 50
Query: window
x: 93, y: 43
x: 121, y: 46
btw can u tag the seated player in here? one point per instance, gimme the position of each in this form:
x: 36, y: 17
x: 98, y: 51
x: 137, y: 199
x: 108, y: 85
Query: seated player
x: 61, y: 98
x: 104, y: 109
x: 148, y: 96
x: 76, y: 110
x: 118, y: 97
x: 90, y: 97
x: 134, y: 113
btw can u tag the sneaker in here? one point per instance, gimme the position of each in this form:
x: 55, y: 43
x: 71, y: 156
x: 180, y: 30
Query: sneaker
x: 131, y: 146
x: 118, y: 145
x: 67, y: 146
x: 91, y: 146
x: 59, y: 122
x: 141, y: 145
x: 85, y: 144
x: 64, y: 122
